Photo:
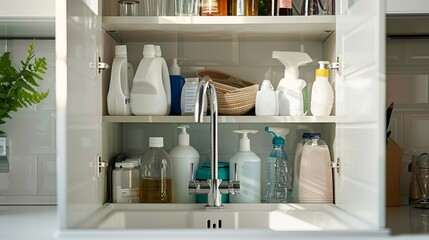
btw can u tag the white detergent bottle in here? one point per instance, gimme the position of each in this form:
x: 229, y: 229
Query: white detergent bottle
x: 266, y: 100
x: 118, y: 97
x: 322, y: 94
x: 150, y: 94
x: 248, y: 167
x: 183, y: 156
x: 293, y: 95
x: 315, y: 174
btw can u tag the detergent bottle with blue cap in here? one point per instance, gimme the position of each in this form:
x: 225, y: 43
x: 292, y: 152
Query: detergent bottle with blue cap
x: 279, y: 172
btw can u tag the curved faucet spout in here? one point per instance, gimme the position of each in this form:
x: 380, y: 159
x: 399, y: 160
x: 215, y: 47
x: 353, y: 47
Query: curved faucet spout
x: 214, y: 196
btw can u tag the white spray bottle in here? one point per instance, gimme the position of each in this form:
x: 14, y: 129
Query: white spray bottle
x: 293, y: 95
x: 322, y: 94
x: 248, y: 171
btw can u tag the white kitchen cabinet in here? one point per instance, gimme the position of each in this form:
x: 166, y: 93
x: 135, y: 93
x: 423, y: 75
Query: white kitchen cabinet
x: 355, y: 36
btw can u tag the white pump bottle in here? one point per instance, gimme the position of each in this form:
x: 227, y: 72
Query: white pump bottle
x: 293, y: 95
x: 118, y: 97
x: 151, y: 94
x: 322, y: 94
x: 248, y: 167
x: 182, y: 156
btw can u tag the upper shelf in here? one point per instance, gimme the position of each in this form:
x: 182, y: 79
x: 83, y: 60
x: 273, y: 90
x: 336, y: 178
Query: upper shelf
x: 221, y: 119
x: 220, y: 28
x: 27, y: 28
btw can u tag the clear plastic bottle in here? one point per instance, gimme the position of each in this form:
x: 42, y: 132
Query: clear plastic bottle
x: 155, y: 182
x: 279, y: 176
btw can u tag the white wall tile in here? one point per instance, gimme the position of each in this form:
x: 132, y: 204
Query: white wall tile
x: 46, y: 175
x: 22, y: 178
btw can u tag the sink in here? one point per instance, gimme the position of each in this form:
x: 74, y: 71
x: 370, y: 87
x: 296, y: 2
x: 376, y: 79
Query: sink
x: 276, y: 217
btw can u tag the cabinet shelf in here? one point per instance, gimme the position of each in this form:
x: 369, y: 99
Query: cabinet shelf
x: 27, y: 28
x: 221, y: 119
x: 220, y: 28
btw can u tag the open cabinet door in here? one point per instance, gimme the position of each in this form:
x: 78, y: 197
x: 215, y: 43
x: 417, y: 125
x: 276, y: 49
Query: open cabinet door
x: 360, y: 107
x: 78, y: 86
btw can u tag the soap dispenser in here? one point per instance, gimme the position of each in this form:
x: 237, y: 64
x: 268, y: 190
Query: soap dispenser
x: 322, y: 94
x: 184, y: 157
x: 176, y: 83
x: 247, y: 166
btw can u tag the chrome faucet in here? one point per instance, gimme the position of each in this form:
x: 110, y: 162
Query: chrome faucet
x: 214, y: 187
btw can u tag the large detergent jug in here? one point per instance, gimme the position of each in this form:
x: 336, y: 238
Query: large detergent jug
x: 150, y: 94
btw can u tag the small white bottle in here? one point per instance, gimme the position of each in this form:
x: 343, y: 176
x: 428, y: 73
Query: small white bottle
x: 322, y: 94
x: 118, y: 97
x: 182, y: 157
x: 248, y: 167
x: 266, y: 100
x: 189, y: 92
x: 315, y: 175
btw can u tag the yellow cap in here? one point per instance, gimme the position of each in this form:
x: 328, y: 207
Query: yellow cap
x: 322, y: 72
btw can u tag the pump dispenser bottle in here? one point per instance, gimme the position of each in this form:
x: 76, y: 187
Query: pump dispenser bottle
x: 293, y: 95
x: 248, y: 167
x: 176, y: 83
x: 183, y: 157
x: 322, y: 94
x: 279, y: 172
x: 118, y: 97
x: 150, y: 94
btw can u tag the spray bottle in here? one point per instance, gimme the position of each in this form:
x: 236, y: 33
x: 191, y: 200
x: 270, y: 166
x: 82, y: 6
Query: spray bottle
x: 248, y: 167
x: 322, y: 94
x: 279, y: 171
x: 293, y: 96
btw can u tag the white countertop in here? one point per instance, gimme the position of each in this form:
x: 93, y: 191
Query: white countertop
x: 39, y: 222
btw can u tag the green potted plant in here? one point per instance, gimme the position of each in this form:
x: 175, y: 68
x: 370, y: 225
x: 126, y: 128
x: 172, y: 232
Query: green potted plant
x: 18, y: 86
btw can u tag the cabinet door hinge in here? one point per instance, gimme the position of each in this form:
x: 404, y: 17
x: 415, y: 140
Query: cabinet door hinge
x: 101, y: 164
x: 102, y: 65
x: 336, y: 65
x: 335, y: 165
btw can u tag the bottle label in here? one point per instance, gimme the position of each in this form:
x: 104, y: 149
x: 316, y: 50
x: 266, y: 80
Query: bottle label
x: 285, y: 4
x: 209, y: 6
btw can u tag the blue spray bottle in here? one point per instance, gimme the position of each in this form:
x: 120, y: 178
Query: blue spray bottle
x: 279, y: 174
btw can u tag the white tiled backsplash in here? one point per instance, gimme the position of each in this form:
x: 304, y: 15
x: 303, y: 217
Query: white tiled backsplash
x: 408, y: 87
x: 31, y: 133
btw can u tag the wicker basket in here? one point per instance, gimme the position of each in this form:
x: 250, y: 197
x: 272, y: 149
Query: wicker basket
x: 234, y: 96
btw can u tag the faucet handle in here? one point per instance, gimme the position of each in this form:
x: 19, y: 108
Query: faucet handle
x: 191, y: 177
x: 235, y: 172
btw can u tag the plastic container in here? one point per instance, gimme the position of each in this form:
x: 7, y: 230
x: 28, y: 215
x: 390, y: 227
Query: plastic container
x: 322, y: 94
x: 189, y: 92
x: 293, y: 94
x: 297, y: 163
x: 315, y: 174
x: 156, y: 182
x: 118, y: 97
x: 151, y: 94
x: 266, y: 100
x: 182, y: 156
x: 248, y: 171
x: 204, y: 173
x: 279, y: 174
x: 176, y: 83
x: 125, y: 182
